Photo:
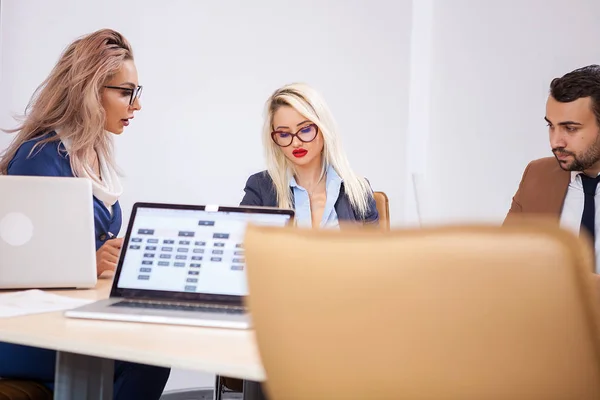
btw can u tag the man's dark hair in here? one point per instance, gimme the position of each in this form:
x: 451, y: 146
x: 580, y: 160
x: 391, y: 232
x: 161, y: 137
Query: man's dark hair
x: 583, y: 82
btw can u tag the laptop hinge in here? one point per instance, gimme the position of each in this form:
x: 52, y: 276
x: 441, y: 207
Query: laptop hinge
x: 184, y: 303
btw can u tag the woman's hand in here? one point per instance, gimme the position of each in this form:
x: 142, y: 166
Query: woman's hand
x: 107, y: 256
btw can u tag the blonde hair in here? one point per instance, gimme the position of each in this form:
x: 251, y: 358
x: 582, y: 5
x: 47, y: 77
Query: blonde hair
x: 310, y: 104
x: 69, y: 100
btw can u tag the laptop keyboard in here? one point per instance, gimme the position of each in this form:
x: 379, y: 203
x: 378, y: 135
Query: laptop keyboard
x: 177, y: 306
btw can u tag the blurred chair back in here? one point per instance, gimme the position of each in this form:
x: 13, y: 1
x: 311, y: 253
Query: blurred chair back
x: 383, y: 208
x: 464, y: 313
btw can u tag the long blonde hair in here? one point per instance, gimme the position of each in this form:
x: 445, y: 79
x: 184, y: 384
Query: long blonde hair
x: 310, y: 104
x: 69, y: 101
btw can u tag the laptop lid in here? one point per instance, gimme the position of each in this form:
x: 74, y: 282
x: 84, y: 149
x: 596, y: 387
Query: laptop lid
x: 188, y: 253
x: 46, y: 232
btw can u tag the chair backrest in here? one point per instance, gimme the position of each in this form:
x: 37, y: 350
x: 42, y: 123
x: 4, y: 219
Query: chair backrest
x: 383, y: 208
x: 437, y: 313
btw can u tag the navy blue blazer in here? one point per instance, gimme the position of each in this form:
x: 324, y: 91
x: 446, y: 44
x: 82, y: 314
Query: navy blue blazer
x: 260, y: 191
x: 52, y: 159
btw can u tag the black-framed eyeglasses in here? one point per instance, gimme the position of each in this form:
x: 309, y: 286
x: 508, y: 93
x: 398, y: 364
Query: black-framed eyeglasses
x: 306, y: 134
x: 133, y: 93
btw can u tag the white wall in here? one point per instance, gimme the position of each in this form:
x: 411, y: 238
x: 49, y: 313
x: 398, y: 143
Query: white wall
x: 492, y: 63
x: 208, y: 67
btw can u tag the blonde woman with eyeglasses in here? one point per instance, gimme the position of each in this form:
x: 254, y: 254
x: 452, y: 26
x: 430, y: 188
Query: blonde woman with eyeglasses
x: 91, y: 95
x: 307, y: 169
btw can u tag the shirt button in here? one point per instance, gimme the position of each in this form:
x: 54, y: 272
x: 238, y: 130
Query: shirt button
x: 103, y: 237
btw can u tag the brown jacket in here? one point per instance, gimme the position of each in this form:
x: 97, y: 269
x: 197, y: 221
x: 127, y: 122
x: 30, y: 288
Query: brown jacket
x: 542, y: 190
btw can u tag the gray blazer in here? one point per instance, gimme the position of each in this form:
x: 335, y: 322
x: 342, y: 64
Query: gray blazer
x: 260, y: 191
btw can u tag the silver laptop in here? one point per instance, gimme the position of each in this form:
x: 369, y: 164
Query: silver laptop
x: 46, y: 233
x: 183, y: 265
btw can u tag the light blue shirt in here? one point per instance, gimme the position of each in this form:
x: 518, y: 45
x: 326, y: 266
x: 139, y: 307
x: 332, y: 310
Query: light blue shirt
x: 333, y: 184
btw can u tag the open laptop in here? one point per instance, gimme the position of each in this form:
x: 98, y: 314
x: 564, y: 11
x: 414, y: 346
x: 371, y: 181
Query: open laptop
x: 183, y: 264
x: 46, y: 233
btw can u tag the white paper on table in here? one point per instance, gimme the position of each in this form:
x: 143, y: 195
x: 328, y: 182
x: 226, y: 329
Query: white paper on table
x: 35, y: 302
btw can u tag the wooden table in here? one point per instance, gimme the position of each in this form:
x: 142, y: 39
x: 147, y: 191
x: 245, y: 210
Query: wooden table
x: 87, y: 348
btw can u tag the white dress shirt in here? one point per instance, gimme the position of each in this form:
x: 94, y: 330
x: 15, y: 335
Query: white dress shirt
x: 572, y: 211
x: 303, y: 217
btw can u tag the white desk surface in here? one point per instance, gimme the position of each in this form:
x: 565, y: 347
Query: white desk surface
x: 220, y: 351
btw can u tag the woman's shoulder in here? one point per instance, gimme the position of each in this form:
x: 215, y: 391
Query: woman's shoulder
x: 44, y: 144
x: 260, y: 179
x: 259, y: 190
x: 42, y: 155
x: 371, y: 215
x: 368, y: 189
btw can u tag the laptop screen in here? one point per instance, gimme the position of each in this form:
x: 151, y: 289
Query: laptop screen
x: 189, y: 250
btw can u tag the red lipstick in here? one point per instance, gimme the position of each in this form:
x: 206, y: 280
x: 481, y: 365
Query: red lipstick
x: 299, y: 153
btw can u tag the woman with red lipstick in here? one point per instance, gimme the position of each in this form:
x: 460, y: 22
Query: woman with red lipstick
x: 89, y: 96
x: 307, y: 169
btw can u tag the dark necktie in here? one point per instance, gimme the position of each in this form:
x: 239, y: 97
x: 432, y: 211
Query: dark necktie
x: 588, y: 219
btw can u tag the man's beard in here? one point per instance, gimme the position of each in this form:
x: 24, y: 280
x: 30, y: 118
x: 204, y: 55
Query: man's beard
x: 583, y: 161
